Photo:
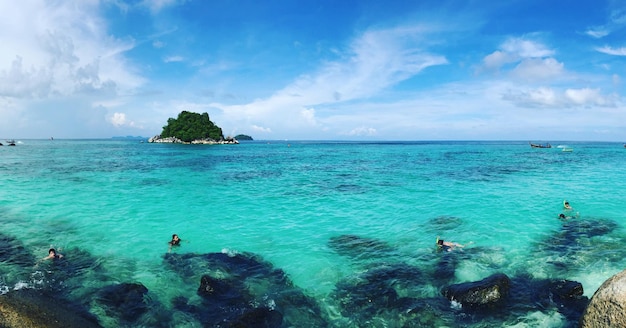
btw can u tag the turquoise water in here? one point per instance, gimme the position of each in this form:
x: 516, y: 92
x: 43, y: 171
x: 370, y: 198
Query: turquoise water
x: 121, y: 201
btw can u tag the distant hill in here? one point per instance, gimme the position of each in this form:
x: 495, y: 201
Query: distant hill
x: 243, y: 137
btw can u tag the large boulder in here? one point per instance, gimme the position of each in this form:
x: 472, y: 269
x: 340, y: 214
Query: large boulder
x: 487, y: 292
x: 608, y: 304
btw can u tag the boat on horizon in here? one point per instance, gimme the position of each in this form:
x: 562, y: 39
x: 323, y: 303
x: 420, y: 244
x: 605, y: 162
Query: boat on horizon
x: 535, y: 145
x: 11, y: 142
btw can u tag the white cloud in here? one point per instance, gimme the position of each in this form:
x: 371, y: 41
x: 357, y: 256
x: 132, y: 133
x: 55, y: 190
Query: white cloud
x: 157, y: 5
x: 65, y: 51
x: 498, y: 59
x: 18, y: 82
x: 538, y: 69
x: 612, y: 51
x: 309, y: 116
x: 586, y: 96
x: 597, y: 33
x: 516, y: 50
x: 171, y: 59
x: 374, y: 61
x: 363, y: 131
x: 119, y: 119
x: 261, y: 129
x: 553, y: 98
x: 527, y: 60
x: 524, y: 48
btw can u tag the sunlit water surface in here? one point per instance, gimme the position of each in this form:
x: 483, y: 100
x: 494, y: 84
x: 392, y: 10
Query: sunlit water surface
x: 120, y: 202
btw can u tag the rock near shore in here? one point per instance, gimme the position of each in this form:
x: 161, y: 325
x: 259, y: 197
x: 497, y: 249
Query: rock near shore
x: 608, y: 305
x: 27, y: 308
x: 226, y: 141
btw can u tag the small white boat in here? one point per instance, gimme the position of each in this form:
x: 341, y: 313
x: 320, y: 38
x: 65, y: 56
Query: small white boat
x: 567, y: 149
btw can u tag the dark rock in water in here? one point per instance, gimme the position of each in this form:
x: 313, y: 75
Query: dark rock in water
x: 568, y: 298
x: 242, y: 265
x: 360, y: 247
x: 574, y: 231
x: 443, y: 223
x: 262, y: 317
x: 399, y: 276
x: 229, y: 292
x: 226, y: 303
x: 364, y: 298
x: 376, y: 291
x: 13, y: 251
x: 484, y: 293
x: 234, y: 287
x: 28, y: 308
x: 446, y: 266
x: 125, y: 300
x: 566, y: 289
x: 531, y: 294
x: 426, y: 312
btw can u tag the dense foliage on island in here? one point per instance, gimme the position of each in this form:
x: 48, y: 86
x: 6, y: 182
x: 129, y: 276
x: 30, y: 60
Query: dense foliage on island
x: 192, y: 126
x: 243, y: 137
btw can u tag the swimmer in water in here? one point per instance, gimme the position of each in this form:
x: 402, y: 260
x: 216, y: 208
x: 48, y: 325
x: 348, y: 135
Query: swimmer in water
x: 566, y: 205
x: 567, y: 217
x: 174, y: 242
x: 447, y: 245
x: 52, y: 254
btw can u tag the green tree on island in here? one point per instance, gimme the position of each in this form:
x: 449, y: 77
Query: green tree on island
x: 192, y: 126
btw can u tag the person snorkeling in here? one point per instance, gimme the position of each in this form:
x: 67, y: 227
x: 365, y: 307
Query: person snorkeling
x: 567, y: 217
x: 447, y: 246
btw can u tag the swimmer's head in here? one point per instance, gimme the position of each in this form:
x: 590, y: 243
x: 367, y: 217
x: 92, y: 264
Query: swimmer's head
x: 52, y: 251
x: 440, y: 242
x: 562, y: 216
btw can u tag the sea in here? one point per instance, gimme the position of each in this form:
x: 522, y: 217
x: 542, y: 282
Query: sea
x: 349, y: 226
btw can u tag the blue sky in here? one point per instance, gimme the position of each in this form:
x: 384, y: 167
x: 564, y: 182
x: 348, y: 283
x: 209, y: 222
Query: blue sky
x: 316, y: 70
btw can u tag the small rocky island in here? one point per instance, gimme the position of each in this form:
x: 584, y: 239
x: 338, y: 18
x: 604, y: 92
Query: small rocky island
x: 243, y: 137
x: 192, y: 128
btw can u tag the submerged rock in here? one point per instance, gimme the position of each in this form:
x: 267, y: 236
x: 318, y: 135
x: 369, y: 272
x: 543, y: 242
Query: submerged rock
x: 237, y: 287
x: 229, y: 292
x: 125, y: 300
x: 608, y: 305
x: 360, y: 247
x: 13, y: 251
x: 384, y: 290
x: 443, y: 223
x: 261, y: 317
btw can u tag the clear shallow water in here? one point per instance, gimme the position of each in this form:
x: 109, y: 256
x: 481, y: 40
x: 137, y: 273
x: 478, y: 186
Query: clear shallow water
x: 120, y: 201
